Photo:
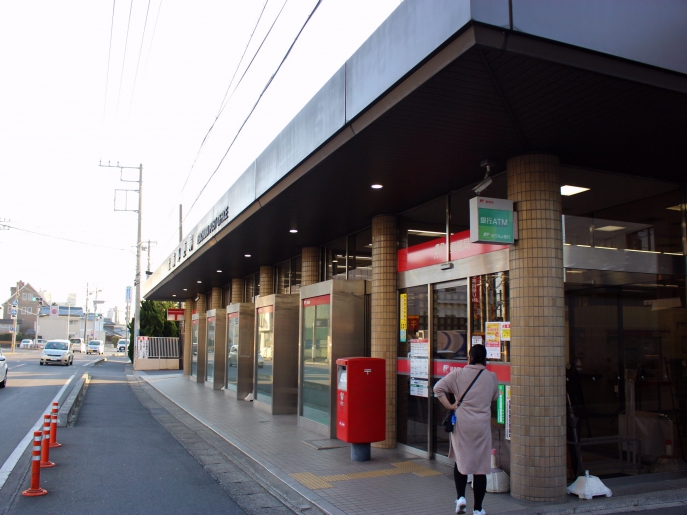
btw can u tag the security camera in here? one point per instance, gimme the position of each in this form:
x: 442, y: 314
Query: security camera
x: 486, y: 182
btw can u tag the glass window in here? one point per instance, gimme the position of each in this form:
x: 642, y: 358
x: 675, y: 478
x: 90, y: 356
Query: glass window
x: 490, y: 304
x: 413, y: 408
x: 423, y: 224
x: 334, y: 260
x: 194, y: 349
x: 360, y: 255
x: 233, y: 350
x: 316, y: 380
x: 210, y: 351
x: 265, y: 375
x: 283, y: 277
x: 296, y: 267
x: 249, y: 288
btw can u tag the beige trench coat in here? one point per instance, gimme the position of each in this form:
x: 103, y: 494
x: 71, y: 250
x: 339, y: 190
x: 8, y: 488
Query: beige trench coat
x: 470, y: 442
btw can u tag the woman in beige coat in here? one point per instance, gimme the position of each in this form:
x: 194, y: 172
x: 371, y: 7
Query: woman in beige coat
x: 470, y: 442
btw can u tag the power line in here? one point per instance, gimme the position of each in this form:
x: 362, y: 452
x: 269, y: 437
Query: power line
x: 126, y: 43
x: 150, y: 47
x: 254, y: 106
x: 140, y: 51
x: 222, y: 104
x: 109, y: 53
x: 66, y: 239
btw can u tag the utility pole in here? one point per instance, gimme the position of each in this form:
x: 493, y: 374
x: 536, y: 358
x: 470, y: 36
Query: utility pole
x: 147, y: 247
x: 137, y: 281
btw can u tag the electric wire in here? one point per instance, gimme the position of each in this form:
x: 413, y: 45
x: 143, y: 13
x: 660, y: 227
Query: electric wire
x: 152, y: 38
x: 254, y: 106
x: 109, y: 54
x: 219, y: 112
x: 138, y: 62
x: 126, y: 43
x: 67, y: 239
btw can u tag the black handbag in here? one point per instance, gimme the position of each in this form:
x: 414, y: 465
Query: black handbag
x: 448, y: 418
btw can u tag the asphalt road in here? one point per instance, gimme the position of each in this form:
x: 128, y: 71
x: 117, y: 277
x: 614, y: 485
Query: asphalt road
x: 117, y: 459
x: 30, y: 390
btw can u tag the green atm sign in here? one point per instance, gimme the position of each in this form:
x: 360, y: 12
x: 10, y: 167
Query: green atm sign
x: 491, y: 220
x: 501, y: 405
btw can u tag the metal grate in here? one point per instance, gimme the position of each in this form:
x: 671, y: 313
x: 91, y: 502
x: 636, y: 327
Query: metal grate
x: 162, y: 347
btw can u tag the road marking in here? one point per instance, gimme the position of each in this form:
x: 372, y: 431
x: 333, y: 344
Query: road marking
x: 17, y: 366
x: 91, y: 363
x: 313, y: 482
x: 10, y: 463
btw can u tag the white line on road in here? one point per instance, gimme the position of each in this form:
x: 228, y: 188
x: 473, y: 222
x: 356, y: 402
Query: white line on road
x: 17, y: 366
x: 10, y: 463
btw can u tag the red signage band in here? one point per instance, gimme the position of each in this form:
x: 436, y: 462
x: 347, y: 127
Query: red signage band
x: 317, y: 301
x: 442, y: 367
x: 195, y: 321
x: 235, y: 314
x: 265, y: 309
x: 434, y: 252
x: 175, y: 311
x: 211, y: 319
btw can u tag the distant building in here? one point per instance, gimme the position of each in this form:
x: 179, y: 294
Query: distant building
x: 55, y: 326
x: 28, y: 301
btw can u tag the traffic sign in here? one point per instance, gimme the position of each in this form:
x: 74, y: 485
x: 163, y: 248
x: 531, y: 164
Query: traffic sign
x: 15, y: 302
x: 14, y: 312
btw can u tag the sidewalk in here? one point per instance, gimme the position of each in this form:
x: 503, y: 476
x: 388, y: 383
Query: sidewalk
x: 393, y: 482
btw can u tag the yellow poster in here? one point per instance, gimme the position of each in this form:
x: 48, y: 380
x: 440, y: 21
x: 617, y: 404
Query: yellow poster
x: 505, y: 331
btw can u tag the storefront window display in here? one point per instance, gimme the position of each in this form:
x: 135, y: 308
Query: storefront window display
x: 490, y: 321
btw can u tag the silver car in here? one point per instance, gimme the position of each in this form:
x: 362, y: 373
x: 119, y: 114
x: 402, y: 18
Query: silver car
x: 57, y: 352
x: 3, y: 370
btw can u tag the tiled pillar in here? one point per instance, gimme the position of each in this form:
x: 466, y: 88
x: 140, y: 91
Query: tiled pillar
x: 538, y: 425
x: 216, y: 298
x: 266, y: 280
x: 188, y: 335
x: 384, y: 323
x: 236, y: 291
x: 310, y: 267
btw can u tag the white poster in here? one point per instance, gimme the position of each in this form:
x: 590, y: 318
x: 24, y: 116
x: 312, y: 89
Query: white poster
x: 142, y: 347
x: 419, y: 363
x: 493, y: 339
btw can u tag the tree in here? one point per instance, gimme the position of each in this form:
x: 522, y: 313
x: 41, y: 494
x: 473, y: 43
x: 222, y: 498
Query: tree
x: 154, y: 322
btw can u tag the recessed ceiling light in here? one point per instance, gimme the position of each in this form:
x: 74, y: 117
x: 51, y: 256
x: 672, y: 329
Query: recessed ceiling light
x: 674, y: 208
x: 419, y: 232
x: 568, y: 190
x: 173, y: 295
x: 609, y: 228
x: 377, y: 186
x: 247, y: 255
x: 335, y: 260
x: 185, y: 289
x: 293, y: 231
x: 219, y: 271
x: 199, y: 282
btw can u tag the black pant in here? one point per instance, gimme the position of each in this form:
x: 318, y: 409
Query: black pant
x: 479, y: 486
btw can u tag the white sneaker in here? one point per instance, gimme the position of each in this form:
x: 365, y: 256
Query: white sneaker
x: 479, y: 512
x: 461, y: 505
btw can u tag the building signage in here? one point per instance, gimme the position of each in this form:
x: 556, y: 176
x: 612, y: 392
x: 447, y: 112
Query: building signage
x: 176, y: 314
x: 505, y: 331
x: 507, y: 435
x: 54, y: 311
x: 501, y: 405
x: 491, y: 220
x: 434, y: 252
x: 404, y: 317
x: 128, y: 294
x: 213, y: 225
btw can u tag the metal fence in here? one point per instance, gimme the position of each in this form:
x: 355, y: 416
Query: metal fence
x: 159, y: 347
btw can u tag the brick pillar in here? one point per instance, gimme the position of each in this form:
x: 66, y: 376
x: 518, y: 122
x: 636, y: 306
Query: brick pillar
x: 266, y: 281
x: 188, y: 328
x: 310, y: 266
x: 236, y: 291
x: 216, y: 298
x: 538, y: 453
x: 385, y: 312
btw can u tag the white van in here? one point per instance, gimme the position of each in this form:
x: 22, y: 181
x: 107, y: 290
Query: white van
x: 78, y: 345
x: 96, y: 347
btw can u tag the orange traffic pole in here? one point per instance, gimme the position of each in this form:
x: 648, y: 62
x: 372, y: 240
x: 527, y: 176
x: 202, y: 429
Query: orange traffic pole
x: 36, y: 489
x: 53, y: 426
x: 45, y: 457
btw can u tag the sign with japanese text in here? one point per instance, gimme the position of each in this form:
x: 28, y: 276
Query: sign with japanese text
x: 492, y: 340
x: 403, y: 318
x: 505, y: 331
x: 491, y: 220
x: 501, y: 405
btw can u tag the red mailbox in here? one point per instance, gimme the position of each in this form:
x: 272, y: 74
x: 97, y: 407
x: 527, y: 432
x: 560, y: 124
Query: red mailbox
x: 361, y: 402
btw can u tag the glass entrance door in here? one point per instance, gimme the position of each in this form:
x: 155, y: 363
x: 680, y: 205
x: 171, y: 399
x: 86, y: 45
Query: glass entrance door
x: 315, y: 357
x: 194, y: 348
x: 232, y: 351
x: 449, y: 346
x: 210, y: 351
x: 265, y: 359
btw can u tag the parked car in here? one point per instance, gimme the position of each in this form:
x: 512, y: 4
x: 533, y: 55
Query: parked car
x: 57, y: 352
x: 26, y: 344
x: 96, y: 346
x: 40, y: 343
x: 233, y: 357
x: 122, y: 345
x: 78, y: 345
x: 3, y: 370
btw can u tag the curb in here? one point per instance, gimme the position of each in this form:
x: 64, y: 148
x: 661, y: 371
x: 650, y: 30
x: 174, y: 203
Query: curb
x: 66, y: 411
